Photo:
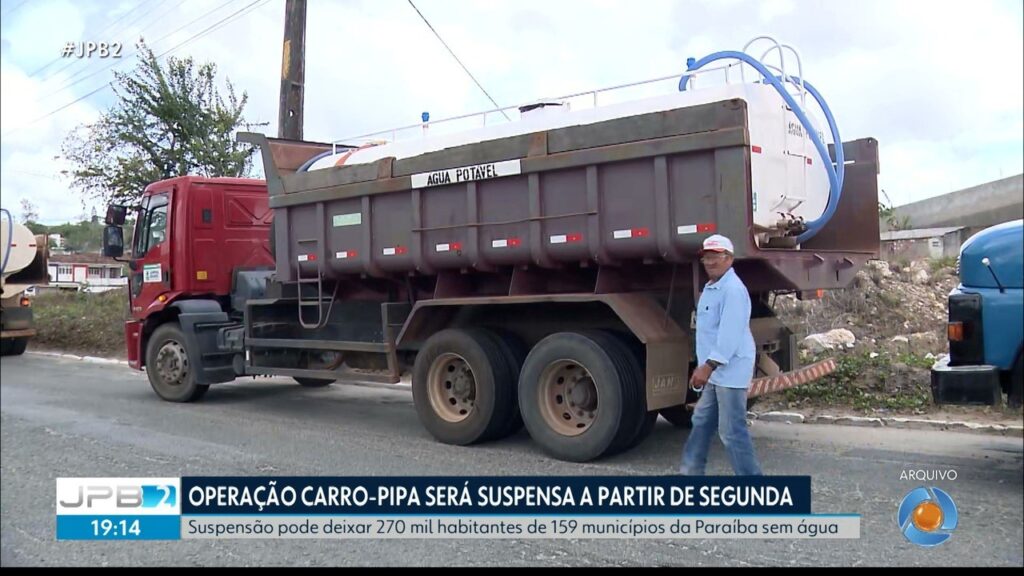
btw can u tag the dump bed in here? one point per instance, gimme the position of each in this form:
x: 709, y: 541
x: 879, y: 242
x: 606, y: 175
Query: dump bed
x: 643, y: 189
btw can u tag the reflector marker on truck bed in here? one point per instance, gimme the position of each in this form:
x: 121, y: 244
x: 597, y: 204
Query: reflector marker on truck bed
x: 449, y: 247
x: 307, y: 257
x: 564, y: 238
x: 631, y: 233
x: 345, y: 254
x: 702, y: 228
x: 396, y: 250
x: 505, y: 243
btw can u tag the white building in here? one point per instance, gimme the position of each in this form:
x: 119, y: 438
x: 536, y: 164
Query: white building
x: 85, y: 271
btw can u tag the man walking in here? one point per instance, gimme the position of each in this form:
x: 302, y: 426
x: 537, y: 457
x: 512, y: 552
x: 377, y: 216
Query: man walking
x: 725, y: 356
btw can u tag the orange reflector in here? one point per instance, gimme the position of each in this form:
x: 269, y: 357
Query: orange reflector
x: 25, y: 301
x: 955, y: 331
x: 820, y: 294
x: 162, y: 298
x: 201, y: 275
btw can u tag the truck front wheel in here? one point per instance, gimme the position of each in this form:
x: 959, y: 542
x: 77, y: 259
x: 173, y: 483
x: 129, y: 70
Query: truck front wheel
x: 168, y: 367
x: 13, y: 346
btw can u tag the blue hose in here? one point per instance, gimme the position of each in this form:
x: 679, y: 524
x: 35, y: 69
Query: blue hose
x: 305, y: 167
x: 10, y: 239
x: 311, y: 161
x: 835, y: 179
x: 840, y: 162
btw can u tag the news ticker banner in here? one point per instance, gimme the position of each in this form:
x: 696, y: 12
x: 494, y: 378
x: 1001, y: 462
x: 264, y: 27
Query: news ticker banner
x: 424, y: 507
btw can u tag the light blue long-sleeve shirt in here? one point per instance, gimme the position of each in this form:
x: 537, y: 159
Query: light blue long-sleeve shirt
x: 723, y: 331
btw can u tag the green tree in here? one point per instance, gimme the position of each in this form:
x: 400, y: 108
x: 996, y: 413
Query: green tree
x: 169, y: 120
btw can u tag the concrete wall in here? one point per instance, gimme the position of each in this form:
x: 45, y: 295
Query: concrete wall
x: 976, y: 208
x: 920, y: 248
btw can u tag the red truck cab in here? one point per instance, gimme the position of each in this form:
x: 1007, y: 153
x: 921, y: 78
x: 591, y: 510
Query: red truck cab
x: 191, y: 234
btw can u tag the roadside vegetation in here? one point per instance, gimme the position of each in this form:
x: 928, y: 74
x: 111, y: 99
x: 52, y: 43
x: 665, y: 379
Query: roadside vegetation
x: 81, y: 323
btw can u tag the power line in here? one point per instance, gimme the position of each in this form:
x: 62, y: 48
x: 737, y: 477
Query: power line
x: 118, y: 62
x: 114, y: 32
x: 124, y: 29
x: 15, y: 9
x: 478, y: 85
x: 36, y: 174
x: 237, y: 14
x: 106, y: 29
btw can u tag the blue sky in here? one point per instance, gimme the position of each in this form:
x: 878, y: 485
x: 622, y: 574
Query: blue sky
x: 939, y: 84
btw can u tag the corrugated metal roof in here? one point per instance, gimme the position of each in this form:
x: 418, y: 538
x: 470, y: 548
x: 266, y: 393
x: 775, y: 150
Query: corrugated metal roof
x: 918, y: 234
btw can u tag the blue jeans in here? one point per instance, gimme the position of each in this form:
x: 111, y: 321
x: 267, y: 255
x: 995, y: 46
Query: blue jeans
x: 724, y: 409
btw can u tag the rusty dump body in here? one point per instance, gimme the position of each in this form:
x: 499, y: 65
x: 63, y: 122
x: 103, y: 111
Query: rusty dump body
x: 600, y: 228
x: 650, y: 174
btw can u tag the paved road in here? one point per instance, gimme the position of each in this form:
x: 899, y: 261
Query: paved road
x: 70, y: 418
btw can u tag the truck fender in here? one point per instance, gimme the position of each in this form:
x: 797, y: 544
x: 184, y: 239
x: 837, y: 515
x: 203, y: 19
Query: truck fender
x: 188, y: 313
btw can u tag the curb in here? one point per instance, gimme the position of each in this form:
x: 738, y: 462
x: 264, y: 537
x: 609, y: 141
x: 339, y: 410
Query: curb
x: 892, y: 422
x: 90, y: 359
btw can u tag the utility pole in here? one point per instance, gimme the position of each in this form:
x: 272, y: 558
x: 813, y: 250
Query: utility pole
x: 293, y: 71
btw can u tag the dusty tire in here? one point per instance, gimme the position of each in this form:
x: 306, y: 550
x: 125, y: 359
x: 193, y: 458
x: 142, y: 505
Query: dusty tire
x: 312, y: 382
x: 13, y: 346
x: 462, y: 386
x: 1013, y: 398
x: 647, y: 423
x: 168, y: 367
x: 515, y: 354
x: 579, y: 395
x: 643, y: 421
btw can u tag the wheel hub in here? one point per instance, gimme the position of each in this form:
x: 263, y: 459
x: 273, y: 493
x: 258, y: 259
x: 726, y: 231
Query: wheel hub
x: 172, y: 363
x: 568, y: 398
x: 451, y: 387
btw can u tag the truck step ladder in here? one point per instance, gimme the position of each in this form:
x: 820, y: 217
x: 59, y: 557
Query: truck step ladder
x: 304, y: 303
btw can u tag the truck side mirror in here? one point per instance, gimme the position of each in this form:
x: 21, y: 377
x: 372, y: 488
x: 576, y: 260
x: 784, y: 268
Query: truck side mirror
x: 113, y: 241
x: 116, y: 214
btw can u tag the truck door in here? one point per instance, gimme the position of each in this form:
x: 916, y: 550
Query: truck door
x: 151, y: 253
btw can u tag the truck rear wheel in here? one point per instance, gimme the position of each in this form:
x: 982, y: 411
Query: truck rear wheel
x: 515, y: 354
x: 463, y: 386
x: 633, y: 351
x: 580, y: 395
x: 168, y: 367
x: 13, y: 346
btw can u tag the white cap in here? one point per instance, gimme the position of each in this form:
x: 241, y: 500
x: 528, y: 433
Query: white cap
x: 718, y: 243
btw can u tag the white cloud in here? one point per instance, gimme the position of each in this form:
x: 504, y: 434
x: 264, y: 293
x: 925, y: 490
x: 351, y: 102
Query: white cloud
x: 938, y: 83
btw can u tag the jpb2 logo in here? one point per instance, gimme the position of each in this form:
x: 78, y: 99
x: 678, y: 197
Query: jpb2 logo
x: 927, y: 516
x: 118, y: 496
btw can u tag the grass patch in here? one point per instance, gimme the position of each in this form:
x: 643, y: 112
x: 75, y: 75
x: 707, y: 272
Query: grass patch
x: 81, y: 323
x: 938, y: 264
x: 860, y: 382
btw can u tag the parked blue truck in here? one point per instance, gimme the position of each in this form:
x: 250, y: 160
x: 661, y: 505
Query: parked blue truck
x: 986, y: 322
